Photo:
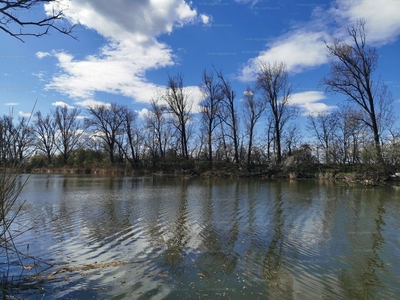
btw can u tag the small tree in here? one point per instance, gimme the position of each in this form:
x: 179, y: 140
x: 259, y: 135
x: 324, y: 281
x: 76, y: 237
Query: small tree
x: 273, y: 83
x: 229, y: 115
x: 69, y: 130
x: 132, y: 137
x: 324, y: 126
x: 179, y: 105
x: 45, y: 130
x: 157, y: 128
x: 15, y: 139
x: 253, y: 108
x: 210, y: 108
x: 106, y: 122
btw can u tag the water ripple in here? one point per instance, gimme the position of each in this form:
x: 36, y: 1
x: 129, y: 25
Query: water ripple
x: 214, y: 239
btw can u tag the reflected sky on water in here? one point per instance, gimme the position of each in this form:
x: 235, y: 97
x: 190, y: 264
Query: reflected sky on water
x: 212, y: 238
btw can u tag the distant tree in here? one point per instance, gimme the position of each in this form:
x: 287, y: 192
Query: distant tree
x: 15, y: 139
x: 157, y: 129
x: 253, y: 108
x: 351, y: 74
x: 351, y: 131
x: 23, y: 139
x: 270, y: 134
x: 292, y: 138
x: 106, y: 122
x: 229, y: 115
x: 303, y: 156
x: 210, y: 108
x: 45, y: 129
x: 28, y: 24
x: 6, y: 138
x: 69, y: 130
x: 324, y: 126
x: 179, y: 105
x: 273, y: 82
x: 132, y: 136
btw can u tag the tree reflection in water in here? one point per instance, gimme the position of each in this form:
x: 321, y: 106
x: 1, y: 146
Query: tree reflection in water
x: 216, y: 238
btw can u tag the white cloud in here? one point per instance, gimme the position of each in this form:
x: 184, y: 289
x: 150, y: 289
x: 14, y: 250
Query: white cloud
x: 309, y: 102
x: 40, y: 75
x: 120, y: 66
x: 12, y: 103
x: 139, y: 19
x: 206, y: 19
x: 195, y: 97
x: 304, y: 47
x: 253, y: 2
x: 23, y: 114
x: 248, y: 93
x: 60, y: 103
x: 143, y: 113
x: 41, y: 54
x: 92, y: 103
x: 382, y: 17
x: 300, y: 49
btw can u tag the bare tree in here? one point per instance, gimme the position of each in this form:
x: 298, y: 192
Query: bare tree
x: 13, y: 23
x: 132, y: 136
x: 156, y: 125
x: 210, y: 108
x: 69, y: 130
x: 273, y: 82
x: 106, y: 122
x: 45, y: 130
x: 350, y: 132
x: 253, y: 108
x: 15, y: 139
x: 6, y: 138
x: 180, y: 107
x: 292, y: 138
x: 351, y: 71
x: 324, y: 126
x: 23, y: 139
x: 270, y: 133
x: 228, y: 114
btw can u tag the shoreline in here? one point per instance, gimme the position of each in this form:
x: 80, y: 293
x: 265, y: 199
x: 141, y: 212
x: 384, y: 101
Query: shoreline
x: 347, y: 178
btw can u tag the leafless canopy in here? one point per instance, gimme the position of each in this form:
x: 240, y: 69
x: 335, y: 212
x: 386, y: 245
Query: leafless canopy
x: 179, y: 105
x: 210, y: 107
x: 69, y: 131
x: 276, y: 89
x: 18, y: 19
x: 229, y: 115
x: 253, y: 108
x: 351, y: 74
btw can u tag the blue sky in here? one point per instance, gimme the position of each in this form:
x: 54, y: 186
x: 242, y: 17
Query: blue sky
x: 126, y: 48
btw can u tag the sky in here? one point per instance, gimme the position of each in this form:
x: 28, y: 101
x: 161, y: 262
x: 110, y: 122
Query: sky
x: 125, y: 49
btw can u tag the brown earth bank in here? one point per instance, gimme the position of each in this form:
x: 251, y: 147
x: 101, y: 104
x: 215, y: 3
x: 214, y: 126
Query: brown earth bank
x: 363, y: 178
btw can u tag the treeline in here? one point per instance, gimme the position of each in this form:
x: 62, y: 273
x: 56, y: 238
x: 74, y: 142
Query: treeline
x: 222, y: 132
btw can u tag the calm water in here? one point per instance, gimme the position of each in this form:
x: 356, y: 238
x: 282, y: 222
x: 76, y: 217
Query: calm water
x: 210, y: 239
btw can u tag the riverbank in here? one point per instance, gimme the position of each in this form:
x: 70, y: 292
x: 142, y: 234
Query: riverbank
x: 350, y: 177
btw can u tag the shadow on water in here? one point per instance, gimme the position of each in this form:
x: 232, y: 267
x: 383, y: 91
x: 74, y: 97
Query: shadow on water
x: 170, y: 238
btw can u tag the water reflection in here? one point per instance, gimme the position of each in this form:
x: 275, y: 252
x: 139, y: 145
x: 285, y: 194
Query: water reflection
x: 215, y: 238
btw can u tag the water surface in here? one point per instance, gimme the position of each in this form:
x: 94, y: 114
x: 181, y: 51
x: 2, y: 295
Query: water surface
x: 169, y: 238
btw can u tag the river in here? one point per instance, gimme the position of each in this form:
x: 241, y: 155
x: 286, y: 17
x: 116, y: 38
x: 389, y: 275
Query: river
x: 172, y: 238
